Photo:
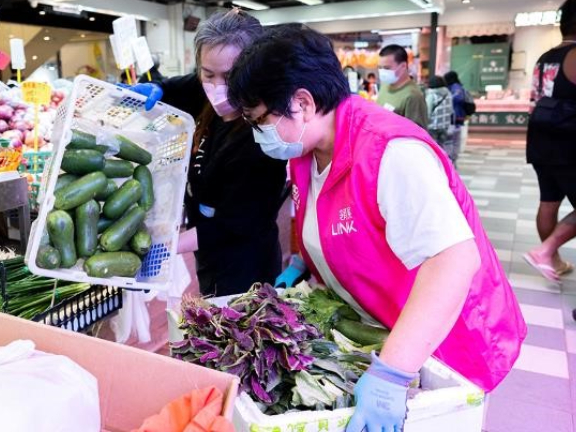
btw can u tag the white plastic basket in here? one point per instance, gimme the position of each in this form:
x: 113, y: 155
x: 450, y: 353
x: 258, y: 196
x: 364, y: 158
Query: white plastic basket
x: 165, y: 132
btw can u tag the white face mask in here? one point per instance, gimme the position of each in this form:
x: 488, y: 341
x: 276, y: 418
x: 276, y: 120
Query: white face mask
x: 387, y: 76
x: 274, y: 146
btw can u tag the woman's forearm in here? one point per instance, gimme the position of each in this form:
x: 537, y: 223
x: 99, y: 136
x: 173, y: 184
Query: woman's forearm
x: 188, y: 241
x: 434, y: 305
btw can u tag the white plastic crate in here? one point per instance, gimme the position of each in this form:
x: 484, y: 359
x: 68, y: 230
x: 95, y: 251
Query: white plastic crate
x: 449, y: 403
x: 165, y: 132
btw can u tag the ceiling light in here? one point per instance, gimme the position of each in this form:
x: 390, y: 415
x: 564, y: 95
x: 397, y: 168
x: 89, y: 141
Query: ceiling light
x: 82, y: 35
x: 249, y: 4
x: 92, y: 19
x: 312, y: 2
x: 46, y: 38
x: 34, y: 57
x: 42, y: 12
x: 465, y: 1
x: 396, y: 32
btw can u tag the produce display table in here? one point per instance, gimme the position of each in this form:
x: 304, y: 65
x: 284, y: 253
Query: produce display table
x: 14, y: 196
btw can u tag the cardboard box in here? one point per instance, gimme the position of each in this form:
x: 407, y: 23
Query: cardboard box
x: 451, y: 403
x: 133, y: 384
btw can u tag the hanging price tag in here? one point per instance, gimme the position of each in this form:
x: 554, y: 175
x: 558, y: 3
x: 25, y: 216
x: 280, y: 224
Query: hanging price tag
x: 17, y: 54
x: 142, y: 54
x: 36, y: 93
x: 125, y: 32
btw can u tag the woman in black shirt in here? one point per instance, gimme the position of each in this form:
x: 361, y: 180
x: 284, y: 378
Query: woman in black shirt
x: 234, y: 190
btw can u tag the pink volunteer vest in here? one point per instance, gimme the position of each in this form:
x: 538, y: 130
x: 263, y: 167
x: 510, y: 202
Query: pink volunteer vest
x: 485, y: 341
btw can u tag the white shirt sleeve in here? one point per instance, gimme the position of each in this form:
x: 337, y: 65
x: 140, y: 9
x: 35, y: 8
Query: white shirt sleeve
x: 422, y: 215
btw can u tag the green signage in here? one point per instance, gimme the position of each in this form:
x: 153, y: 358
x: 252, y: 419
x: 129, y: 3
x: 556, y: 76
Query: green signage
x: 500, y: 119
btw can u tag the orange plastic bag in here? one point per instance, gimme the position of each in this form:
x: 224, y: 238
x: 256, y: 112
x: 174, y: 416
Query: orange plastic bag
x: 199, y: 411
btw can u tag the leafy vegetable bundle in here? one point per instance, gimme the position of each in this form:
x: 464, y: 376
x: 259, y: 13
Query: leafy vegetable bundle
x: 258, y: 337
x: 28, y: 295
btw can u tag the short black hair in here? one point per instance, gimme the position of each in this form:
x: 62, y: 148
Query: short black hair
x: 436, y: 81
x: 399, y: 53
x: 371, y: 75
x: 451, y: 78
x: 568, y: 18
x: 285, y: 59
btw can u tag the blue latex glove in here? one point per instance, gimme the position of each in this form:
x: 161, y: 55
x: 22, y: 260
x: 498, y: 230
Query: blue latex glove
x: 293, y: 272
x: 380, y: 395
x: 152, y: 91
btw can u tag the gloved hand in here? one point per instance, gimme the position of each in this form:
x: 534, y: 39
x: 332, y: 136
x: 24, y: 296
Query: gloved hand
x: 292, y: 274
x: 152, y: 91
x: 381, y: 395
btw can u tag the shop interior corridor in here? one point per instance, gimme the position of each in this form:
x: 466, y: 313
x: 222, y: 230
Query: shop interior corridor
x: 540, y: 393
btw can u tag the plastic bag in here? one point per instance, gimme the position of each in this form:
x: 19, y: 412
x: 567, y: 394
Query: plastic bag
x: 133, y: 316
x: 43, y: 392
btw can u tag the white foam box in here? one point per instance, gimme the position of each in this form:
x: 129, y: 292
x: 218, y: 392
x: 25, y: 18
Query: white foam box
x: 449, y: 403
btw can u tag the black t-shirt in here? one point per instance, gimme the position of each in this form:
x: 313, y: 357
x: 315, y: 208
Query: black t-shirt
x: 229, y: 173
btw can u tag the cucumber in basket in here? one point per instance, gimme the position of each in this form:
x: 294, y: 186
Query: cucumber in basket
x: 120, y: 233
x: 132, y: 152
x: 144, y: 176
x: 111, y: 187
x: 121, y: 200
x: 115, y: 168
x: 84, y: 141
x: 108, y: 264
x: 87, y: 216
x: 61, y: 232
x: 80, y: 191
x: 82, y: 162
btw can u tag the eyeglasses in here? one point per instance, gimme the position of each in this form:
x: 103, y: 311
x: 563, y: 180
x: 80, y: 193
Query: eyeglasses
x: 255, y: 124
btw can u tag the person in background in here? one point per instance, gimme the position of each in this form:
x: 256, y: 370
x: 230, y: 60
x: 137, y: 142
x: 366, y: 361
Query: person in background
x: 440, y: 114
x: 123, y: 78
x: 234, y: 190
x: 370, y: 85
x: 458, y: 102
x: 154, y: 71
x: 551, y: 149
x: 398, y: 92
x: 383, y: 219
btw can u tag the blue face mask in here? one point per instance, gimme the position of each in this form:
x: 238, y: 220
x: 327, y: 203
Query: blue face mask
x: 274, y: 146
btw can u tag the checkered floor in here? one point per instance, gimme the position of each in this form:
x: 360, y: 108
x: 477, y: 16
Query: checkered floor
x: 539, y: 395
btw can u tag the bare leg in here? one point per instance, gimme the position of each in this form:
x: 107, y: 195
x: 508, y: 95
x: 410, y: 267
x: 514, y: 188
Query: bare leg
x: 546, y: 221
x: 564, y: 232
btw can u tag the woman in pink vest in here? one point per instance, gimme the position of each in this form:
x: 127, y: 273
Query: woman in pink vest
x: 383, y: 219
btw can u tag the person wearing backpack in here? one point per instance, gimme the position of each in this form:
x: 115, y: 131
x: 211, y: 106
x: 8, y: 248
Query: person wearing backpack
x: 551, y: 149
x: 440, y: 115
x: 464, y: 106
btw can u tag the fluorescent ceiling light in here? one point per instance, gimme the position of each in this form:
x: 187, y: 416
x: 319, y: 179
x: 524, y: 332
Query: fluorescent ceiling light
x: 249, y: 4
x: 312, y: 2
x: 396, y: 32
x: 80, y: 8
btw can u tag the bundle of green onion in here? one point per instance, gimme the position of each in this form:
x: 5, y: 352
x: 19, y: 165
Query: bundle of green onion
x: 28, y: 295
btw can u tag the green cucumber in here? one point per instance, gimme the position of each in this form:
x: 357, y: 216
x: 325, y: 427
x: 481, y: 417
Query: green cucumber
x: 131, y: 151
x: 48, y: 257
x: 61, y: 231
x: 80, y: 191
x: 63, y: 180
x: 82, y: 162
x: 362, y: 334
x: 85, y: 141
x: 111, y: 187
x: 121, y: 200
x: 114, y: 168
x: 87, y: 216
x: 104, y: 224
x: 109, y: 264
x: 141, y: 242
x: 144, y: 176
x: 121, y: 231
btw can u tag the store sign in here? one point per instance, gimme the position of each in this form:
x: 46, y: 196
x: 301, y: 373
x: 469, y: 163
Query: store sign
x: 500, y: 119
x: 526, y: 19
x: 36, y: 93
